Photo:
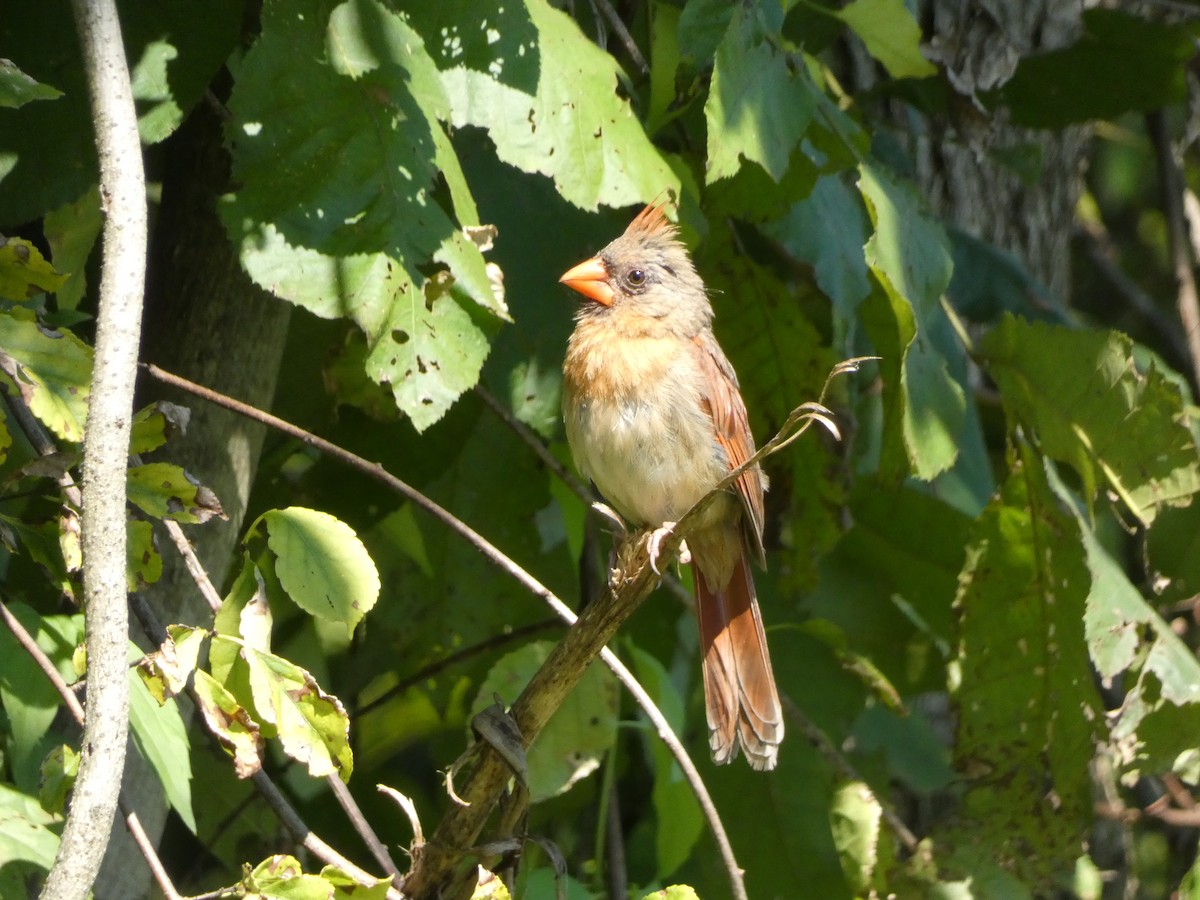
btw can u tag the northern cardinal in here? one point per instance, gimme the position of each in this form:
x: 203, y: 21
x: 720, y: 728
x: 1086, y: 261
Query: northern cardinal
x: 655, y: 419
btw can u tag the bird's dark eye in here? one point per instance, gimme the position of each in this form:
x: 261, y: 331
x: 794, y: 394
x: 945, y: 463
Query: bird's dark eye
x: 636, y: 277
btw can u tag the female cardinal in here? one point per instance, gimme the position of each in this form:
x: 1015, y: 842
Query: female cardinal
x: 655, y: 419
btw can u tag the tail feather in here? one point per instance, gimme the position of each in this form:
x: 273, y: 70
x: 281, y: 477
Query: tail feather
x: 739, y: 688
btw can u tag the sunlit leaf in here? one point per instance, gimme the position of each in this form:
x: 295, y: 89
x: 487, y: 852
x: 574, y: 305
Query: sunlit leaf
x: 51, y: 369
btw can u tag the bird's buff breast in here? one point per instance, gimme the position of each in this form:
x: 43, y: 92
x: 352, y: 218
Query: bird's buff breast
x: 636, y: 427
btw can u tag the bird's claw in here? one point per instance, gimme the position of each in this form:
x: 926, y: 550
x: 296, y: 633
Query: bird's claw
x: 613, y: 517
x: 654, y: 546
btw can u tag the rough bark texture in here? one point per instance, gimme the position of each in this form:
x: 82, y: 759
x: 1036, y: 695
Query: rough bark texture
x: 980, y: 43
x: 208, y: 322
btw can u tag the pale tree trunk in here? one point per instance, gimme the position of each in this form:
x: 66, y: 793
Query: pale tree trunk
x: 209, y: 323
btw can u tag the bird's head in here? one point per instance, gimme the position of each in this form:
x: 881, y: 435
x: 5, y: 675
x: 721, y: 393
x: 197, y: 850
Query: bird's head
x: 646, y: 270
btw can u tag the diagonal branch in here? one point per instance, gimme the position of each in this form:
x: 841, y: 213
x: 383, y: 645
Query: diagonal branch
x: 496, y: 557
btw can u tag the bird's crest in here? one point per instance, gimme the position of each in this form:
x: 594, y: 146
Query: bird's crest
x: 653, y: 222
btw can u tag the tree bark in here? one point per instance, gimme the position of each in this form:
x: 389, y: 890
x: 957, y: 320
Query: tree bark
x: 208, y: 322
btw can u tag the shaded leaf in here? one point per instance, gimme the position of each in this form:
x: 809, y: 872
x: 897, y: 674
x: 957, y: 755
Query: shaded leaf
x: 1080, y: 392
x: 59, y: 769
x: 143, y: 565
x: 1022, y: 653
x: 581, y: 730
x: 827, y: 230
x: 17, y: 88
x: 160, y: 736
x: 25, y: 830
x: 51, y: 369
x: 1080, y: 82
x: 166, y: 491
x: 680, y: 819
x: 909, y: 255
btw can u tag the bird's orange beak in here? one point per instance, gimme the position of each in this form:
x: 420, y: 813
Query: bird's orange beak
x: 590, y: 278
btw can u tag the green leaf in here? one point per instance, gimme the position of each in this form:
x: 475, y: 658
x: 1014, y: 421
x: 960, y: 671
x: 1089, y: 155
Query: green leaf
x: 161, y: 738
x: 827, y: 230
x: 25, y: 835
x: 760, y: 102
x: 71, y: 230
x: 1125, y: 634
x: 235, y: 729
x: 1023, y: 659
x: 854, y: 819
x: 166, y: 491
x: 1080, y: 82
x: 910, y: 256
x: 51, y: 369
x: 1081, y: 394
x: 891, y: 35
x: 58, y: 772
x: 143, y: 565
x: 579, y: 733
x: 423, y: 341
x: 680, y: 819
x: 282, y: 878
x: 337, y: 158
x: 165, y: 672
x: 30, y: 702
x: 321, y: 564
x: 573, y: 128
x: 674, y: 892
x: 312, y: 726
x: 17, y: 88
x: 24, y: 272
x: 346, y: 887
x: 156, y: 424
x: 989, y: 281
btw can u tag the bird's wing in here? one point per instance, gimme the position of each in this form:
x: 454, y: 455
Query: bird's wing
x: 723, y: 403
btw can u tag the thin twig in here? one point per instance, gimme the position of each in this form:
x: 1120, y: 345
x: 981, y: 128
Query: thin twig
x: 359, y: 821
x: 1172, y: 186
x: 285, y: 812
x: 623, y: 34
x: 1099, y: 247
x: 439, y: 665
x: 465, y: 834
x: 846, y: 770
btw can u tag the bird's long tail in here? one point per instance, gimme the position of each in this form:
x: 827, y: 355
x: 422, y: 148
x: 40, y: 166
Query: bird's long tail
x: 739, y: 687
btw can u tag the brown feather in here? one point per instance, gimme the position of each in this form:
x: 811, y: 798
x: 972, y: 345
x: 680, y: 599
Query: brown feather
x: 652, y: 222
x: 731, y: 427
x: 739, y: 688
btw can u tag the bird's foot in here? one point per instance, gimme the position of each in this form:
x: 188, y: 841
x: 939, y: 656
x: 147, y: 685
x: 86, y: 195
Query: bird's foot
x: 654, y: 546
